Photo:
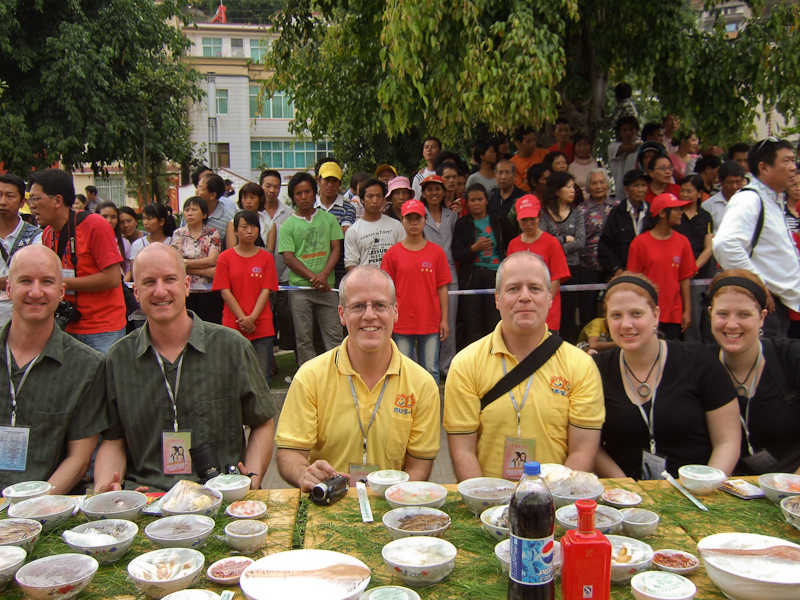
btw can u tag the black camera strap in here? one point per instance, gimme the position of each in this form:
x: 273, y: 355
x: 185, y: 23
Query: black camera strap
x: 67, y: 235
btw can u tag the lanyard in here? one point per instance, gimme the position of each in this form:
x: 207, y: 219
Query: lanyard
x: 14, y: 391
x: 750, y: 391
x: 514, y: 400
x: 374, y: 412
x: 648, y: 421
x: 172, y: 394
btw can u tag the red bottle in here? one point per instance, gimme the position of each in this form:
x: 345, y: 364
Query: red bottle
x: 586, y: 562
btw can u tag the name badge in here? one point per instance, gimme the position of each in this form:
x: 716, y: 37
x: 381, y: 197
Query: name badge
x: 175, y: 447
x: 14, y: 448
x: 359, y: 472
x: 653, y: 465
x: 517, y: 452
x: 68, y: 273
x: 761, y: 462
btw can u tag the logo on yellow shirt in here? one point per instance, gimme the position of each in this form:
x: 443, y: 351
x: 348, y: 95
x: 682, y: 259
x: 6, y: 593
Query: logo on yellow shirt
x: 403, y: 404
x: 559, y: 385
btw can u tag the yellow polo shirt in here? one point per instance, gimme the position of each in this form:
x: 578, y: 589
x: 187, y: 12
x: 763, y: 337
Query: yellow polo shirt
x: 319, y: 414
x: 567, y: 390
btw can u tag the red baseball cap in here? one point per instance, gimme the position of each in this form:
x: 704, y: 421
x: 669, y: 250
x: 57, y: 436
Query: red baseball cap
x: 663, y: 201
x: 431, y: 179
x: 412, y: 206
x: 528, y: 207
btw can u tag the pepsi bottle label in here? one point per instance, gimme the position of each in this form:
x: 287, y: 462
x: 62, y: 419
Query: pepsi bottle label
x: 531, y: 560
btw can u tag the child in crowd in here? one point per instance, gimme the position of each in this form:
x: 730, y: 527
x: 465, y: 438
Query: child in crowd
x: 245, y: 276
x: 421, y: 273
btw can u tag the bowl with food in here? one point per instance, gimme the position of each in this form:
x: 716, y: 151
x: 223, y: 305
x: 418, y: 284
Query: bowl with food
x: 748, y: 566
x: 106, y: 541
x: 192, y: 595
x: 390, y: 592
x: 653, y: 585
x: 247, y: 509
x: 494, y: 521
x: 180, y: 531
x: 25, y: 490
x: 380, y: 481
x: 416, y: 520
x: 190, y: 498
x: 419, y: 561
x: 480, y: 493
x: 246, y: 536
x: 701, y: 479
x: 228, y: 570
x: 11, y: 559
x: 50, y: 511
x: 568, y: 486
x: 122, y: 504
x: 778, y: 486
x: 639, y: 523
x: 628, y: 557
x: 416, y: 493
x: 502, y: 552
x: 790, y: 507
x: 20, y: 532
x: 675, y: 561
x: 619, y: 498
x: 165, y: 571
x: 57, y: 577
x: 232, y: 487
x: 606, y: 519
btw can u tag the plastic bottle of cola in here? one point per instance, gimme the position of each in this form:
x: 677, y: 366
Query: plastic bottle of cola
x: 531, y: 522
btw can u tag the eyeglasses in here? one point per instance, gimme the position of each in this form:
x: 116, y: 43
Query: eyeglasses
x: 34, y: 199
x: 359, y: 308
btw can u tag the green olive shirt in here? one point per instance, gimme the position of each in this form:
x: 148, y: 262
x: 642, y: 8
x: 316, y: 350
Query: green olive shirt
x: 63, y: 399
x: 221, y: 389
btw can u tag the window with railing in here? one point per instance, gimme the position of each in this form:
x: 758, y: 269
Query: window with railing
x: 237, y: 47
x: 287, y: 154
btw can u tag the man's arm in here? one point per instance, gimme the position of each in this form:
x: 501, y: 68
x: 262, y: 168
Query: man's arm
x: 107, y: 279
x: 464, y: 453
x: 686, y: 299
x: 418, y: 469
x: 322, y: 277
x: 296, y: 266
x: 259, y: 452
x: 736, y: 232
x: 294, y: 468
x: 109, y: 465
x: 582, y: 446
x: 74, y: 466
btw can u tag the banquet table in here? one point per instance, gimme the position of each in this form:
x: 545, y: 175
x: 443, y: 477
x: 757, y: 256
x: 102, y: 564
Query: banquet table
x: 296, y: 523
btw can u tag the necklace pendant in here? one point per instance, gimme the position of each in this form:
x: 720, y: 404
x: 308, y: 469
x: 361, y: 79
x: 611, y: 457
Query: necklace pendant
x: 644, y: 390
x: 741, y: 390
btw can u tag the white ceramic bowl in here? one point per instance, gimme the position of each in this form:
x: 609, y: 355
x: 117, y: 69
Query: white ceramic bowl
x: 122, y: 504
x: 301, y: 574
x: 701, y: 479
x: 480, y: 493
x: 232, y: 487
x: 416, y: 493
x: 226, y: 571
x: 639, y: 523
x: 20, y: 532
x: 179, y: 569
x: 392, y: 521
x: 606, y: 519
x: 203, y: 508
x: 50, y: 511
x: 662, y: 557
x: 380, y: 481
x: 180, y: 531
x: 593, y: 493
x: 778, y: 486
x: 502, y: 552
x: 790, y: 507
x: 57, y: 577
x: 420, y: 561
x: 192, y: 595
x: 619, y: 498
x: 662, y: 586
x: 246, y: 536
x: 247, y: 509
x: 25, y: 490
x: 11, y: 559
x: 641, y: 553
x: 746, y: 577
x: 490, y: 522
x: 390, y: 592
x: 83, y: 539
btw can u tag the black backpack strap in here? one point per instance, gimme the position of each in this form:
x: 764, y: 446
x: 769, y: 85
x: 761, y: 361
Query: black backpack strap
x: 759, y: 221
x: 529, y: 365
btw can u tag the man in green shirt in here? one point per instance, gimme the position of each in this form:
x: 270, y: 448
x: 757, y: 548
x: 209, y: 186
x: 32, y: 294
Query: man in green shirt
x: 53, y: 386
x: 179, y: 382
x: 310, y: 242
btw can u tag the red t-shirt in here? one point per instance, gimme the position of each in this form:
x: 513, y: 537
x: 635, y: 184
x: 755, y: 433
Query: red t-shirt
x: 551, y: 252
x: 246, y: 278
x: 96, y: 249
x: 569, y: 151
x: 666, y: 263
x: 417, y: 275
x: 672, y: 188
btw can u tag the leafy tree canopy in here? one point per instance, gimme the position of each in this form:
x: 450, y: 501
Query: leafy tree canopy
x: 366, y: 70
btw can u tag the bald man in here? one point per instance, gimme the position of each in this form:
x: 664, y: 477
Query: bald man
x: 52, y: 386
x: 177, y: 383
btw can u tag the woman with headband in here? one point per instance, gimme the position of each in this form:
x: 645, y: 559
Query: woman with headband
x: 765, y: 373
x: 668, y: 403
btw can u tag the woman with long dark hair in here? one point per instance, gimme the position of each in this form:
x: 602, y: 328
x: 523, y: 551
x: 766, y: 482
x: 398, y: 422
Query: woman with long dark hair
x: 253, y: 199
x: 129, y: 224
x: 159, y: 226
x: 110, y: 212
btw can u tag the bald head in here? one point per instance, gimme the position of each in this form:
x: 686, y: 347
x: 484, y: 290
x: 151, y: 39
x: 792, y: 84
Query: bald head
x: 361, y: 273
x: 35, y: 254
x: 153, y: 254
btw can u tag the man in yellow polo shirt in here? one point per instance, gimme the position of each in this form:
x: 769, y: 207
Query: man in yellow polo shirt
x: 554, y: 417
x: 362, y: 405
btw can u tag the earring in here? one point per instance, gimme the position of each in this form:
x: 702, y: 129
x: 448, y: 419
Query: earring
x: 655, y: 329
x: 760, y: 333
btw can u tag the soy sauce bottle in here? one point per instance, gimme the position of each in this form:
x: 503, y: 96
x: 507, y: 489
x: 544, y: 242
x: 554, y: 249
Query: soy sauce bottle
x: 531, y: 523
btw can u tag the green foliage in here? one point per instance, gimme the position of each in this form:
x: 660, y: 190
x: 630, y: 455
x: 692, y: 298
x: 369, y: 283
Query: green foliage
x: 94, y: 82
